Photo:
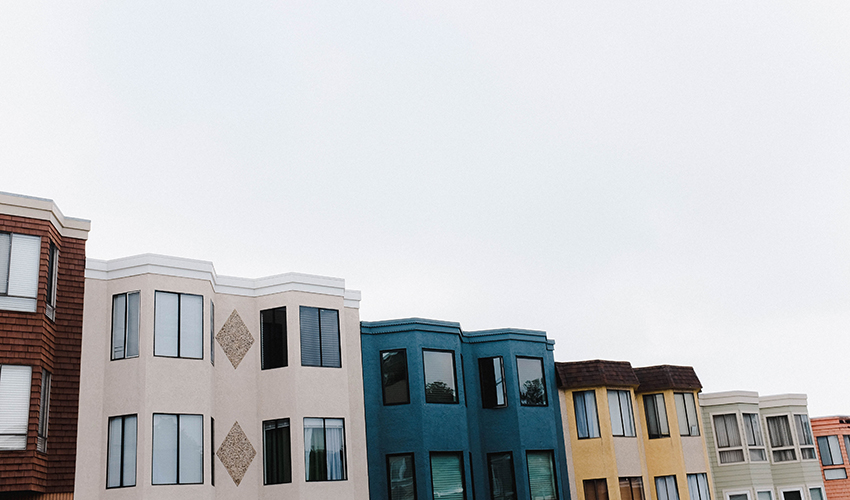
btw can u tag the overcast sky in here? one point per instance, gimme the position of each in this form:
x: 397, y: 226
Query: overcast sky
x: 661, y: 182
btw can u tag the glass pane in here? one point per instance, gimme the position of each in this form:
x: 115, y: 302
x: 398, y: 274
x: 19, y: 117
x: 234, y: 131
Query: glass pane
x: 834, y: 474
x: 681, y: 414
x: 113, y: 456
x: 740, y: 496
x: 191, y: 449
x: 119, y: 311
x: 835, y: 450
x: 273, y: 336
x: 310, y: 345
x: 447, y: 476
x: 394, y: 377
x: 278, y: 467
x: 691, y: 411
x: 757, y: 455
x: 130, y: 451
x: 24, y: 264
x: 792, y: 495
x: 816, y: 493
x: 401, y: 476
x: 765, y: 495
x: 731, y: 456
x: 501, y: 466
x: 541, y: 475
x: 616, y: 413
x: 315, y: 462
x: 5, y: 250
x: 330, y: 337
x: 132, y: 325
x: 804, y: 432
x: 532, y: 390
x: 439, y: 377
x: 498, y: 372
x: 165, y: 324
x: 753, y: 429
x: 335, y: 448
x: 191, y: 326
x: 164, y: 449
x: 15, y: 384
x: 628, y: 415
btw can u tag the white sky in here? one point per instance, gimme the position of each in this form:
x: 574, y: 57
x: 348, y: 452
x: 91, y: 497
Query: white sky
x: 658, y: 182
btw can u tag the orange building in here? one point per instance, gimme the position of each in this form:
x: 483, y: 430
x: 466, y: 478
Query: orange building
x: 833, y: 436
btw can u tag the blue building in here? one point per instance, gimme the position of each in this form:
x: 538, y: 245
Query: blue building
x: 461, y: 415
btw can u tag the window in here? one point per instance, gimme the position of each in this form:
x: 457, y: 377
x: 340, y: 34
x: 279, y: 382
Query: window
x: 755, y: 442
x: 43, y: 411
x: 739, y: 496
x: 502, y: 480
x: 178, y: 325
x: 587, y: 420
x: 541, y: 475
x: 277, y: 452
x: 686, y: 410
x: 764, y: 495
x: 320, y: 337
x: 816, y: 493
x: 830, y: 450
x: 595, y: 489
x: 125, y: 325
x: 834, y: 474
x: 665, y: 487
x: 532, y: 385
x: 178, y: 449
x: 728, y: 437
x: 698, y: 486
x: 273, y: 338
x: 620, y: 409
x: 656, y: 416
x: 804, y: 437
x: 52, y: 280
x: 15, y: 382
x: 781, y: 442
x: 447, y: 479
x: 121, y: 452
x: 792, y: 495
x: 493, y: 390
x: 212, y: 447
x: 20, y: 258
x: 212, y: 333
x: 631, y: 488
x: 324, y: 449
x: 402, y: 476
x: 394, y: 377
x: 440, y: 376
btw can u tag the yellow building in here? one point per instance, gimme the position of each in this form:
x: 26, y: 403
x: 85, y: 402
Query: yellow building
x: 633, y: 433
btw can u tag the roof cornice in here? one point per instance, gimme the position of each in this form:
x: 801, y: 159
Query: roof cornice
x: 44, y: 209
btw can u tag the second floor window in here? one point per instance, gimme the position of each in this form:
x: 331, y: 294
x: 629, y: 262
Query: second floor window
x: 728, y: 438
x: 804, y: 437
x: 620, y: 409
x: 492, y: 374
x: 440, y: 376
x: 587, y: 420
x: 44, y: 411
x: 52, y: 280
x: 394, y: 377
x: 686, y: 410
x: 830, y: 450
x: 125, y: 325
x: 532, y: 384
x: 320, y: 337
x: 781, y: 442
x: 20, y: 259
x: 656, y: 416
x: 273, y: 338
x: 755, y: 442
x: 178, y: 325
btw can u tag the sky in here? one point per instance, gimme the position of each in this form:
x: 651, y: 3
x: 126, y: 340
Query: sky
x: 659, y: 182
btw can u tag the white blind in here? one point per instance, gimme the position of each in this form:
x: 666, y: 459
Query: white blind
x: 165, y: 324
x: 191, y: 326
x: 23, y: 266
x: 15, y: 382
x: 5, y: 244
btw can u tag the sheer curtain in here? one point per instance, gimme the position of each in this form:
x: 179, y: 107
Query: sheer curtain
x: 314, y: 449
x: 335, y: 448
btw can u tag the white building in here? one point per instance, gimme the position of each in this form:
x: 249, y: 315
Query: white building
x: 195, y: 385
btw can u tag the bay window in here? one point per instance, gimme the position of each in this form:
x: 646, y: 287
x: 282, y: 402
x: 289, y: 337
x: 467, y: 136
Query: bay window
x: 178, y: 325
x: 178, y: 449
x: 320, y: 337
x: 324, y: 449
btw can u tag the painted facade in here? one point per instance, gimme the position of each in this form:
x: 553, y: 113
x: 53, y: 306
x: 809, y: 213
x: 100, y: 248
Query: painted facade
x: 460, y: 415
x: 633, y: 433
x: 761, y: 448
x: 197, y: 385
x: 832, y: 435
x: 42, y: 257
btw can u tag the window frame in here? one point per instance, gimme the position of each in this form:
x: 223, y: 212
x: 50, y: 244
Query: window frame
x: 809, y: 446
x: 52, y: 281
x: 595, y: 483
x: 321, y: 336
x: 280, y: 423
x: 829, y: 450
x: 179, y: 324
x: 754, y: 418
x: 454, y: 372
x: 123, y: 451
x: 21, y: 303
x: 177, y: 448
x: 719, y: 449
x: 389, y: 472
x: 43, y: 411
x: 586, y: 416
x: 631, y: 414
x: 660, y: 434
x: 490, y: 457
x: 630, y: 480
x: 403, y: 354
x: 554, y: 469
x: 461, y: 461
x: 126, y: 296
x: 285, y: 344
x: 212, y: 332
x: 25, y: 414
x: 344, y: 453
x: 729, y: 494
x: 542, y: 381
x: 666, y: 489
x: 493, y: 391
x: 799, y: 489
x: 684, y: 397
x: 792, y: 432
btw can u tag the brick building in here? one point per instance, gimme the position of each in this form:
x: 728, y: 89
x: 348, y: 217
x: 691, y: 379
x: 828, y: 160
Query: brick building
x: 42, y: 264
x: 833, y: 440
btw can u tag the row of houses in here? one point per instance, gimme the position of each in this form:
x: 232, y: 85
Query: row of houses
x: 155, y: 377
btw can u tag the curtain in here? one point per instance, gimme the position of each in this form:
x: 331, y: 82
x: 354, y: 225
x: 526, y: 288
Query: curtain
x: 779, y: 431
x: 314, y: 449
x: 698, y: 487
x: 628, y: 415
x: 665, y: 487
x: 616, y: 413
x: 335, y: 448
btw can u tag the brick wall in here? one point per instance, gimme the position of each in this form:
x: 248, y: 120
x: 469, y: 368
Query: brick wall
x: 35, y: 340
x: 836, y: 489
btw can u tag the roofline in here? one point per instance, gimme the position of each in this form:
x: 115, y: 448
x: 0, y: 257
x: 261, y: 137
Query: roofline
x: 204, y: 270
x: 452, y: 327
x: 44, y: 209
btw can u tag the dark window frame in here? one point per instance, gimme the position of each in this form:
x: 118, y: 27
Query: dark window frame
x: 454, y: 371
x: 43, y: 411
x: 490, y: 471
x: 406, y: 377
x: 52, y: 280
x: 543, y: 381
x: 389, y: 470
x: 179, y: 327
x: 551, y: 454
x: 212, y: 451
x: 126, y: 296
x: 325, y: 439
x: 123, y: 434
x: 280, y: 423
x: 494, y: 388
x: 585, y: 416
x: 649, y: 432
x: 321, y: 337
x: 284, y: 358
x: 177, y: 447
x: 462, y: 462
x: 595, y: 485
x: 212, y: 332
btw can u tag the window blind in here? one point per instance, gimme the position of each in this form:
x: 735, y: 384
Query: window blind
x: 447, y: 476
x: 15, y: 383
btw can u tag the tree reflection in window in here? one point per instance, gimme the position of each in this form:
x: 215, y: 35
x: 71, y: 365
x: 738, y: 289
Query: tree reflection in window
x: 439, y: 376
x: 532, y: 386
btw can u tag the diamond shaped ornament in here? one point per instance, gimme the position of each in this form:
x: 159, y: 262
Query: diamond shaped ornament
x: 236, y: 453
x: 235, y: 339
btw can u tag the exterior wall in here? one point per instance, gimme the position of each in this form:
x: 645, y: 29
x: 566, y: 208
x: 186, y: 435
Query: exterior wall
x: 836, y: 489
x: 751, y: 477
x: 36, y: 340
x: 421, y: 428
x: 246, y: 394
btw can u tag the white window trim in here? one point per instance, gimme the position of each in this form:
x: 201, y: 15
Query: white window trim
x: 728, y: 494
x: 743, y: 447
x: 765, y: 439
x: 767, y: 488
x: 813, y: 486
x: 803, y: 494
x: 795, y: 446
x: 801, y: 445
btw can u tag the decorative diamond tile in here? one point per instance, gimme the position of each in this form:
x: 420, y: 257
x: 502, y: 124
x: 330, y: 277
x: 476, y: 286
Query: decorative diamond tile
x: 235, y: 339
x: 236, y: 453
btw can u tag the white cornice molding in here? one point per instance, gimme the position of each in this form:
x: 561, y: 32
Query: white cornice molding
x: 783, y: 400
x: 204, y: 270
x: 728, y: 397
x: 44, y: 209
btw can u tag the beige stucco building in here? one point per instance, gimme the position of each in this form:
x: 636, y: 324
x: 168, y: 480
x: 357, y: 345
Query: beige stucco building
x: 200, y: 386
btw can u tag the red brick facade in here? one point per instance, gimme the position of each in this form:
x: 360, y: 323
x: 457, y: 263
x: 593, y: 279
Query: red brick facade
x: 32, y: 338
x: 836, y: 489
